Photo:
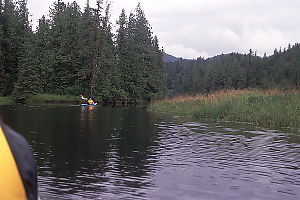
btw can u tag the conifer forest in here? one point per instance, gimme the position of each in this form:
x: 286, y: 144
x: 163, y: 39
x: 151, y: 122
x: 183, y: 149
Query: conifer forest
x: 281, y: 70
x: 75, y: 51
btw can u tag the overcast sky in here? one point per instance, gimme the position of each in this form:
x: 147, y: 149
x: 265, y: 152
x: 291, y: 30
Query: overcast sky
x: 194, y: 28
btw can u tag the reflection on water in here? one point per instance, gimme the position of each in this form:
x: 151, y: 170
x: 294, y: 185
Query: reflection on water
x: 129, y: 153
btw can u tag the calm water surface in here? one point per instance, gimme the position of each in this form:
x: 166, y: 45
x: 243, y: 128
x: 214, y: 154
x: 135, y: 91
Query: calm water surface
x: 130, y: 153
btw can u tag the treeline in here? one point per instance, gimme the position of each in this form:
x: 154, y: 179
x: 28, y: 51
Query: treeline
x: 75, y: 52
x: 235, y: 71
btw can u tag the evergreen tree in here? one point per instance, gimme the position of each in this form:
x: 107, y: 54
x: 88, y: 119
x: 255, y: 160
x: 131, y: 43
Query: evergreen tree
x: 72, y: 47
x: 122, y: 53
x: 143, y: 43
x: 91, y: 71
x: 86, y: 49
x: 28, y: 82
x: 58, y: 44
x: 232, y: 71
x: 133, y: 75
x: 2, y: 58
x: 10, y: 48
x: 157, y: 82
x: 65, y: 30
x: 28, y: 76
x: 45, y: 56
x: 139, y: 57
x: 109, y: 82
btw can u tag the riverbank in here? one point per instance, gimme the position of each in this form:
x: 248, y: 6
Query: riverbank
x: 270, y: 108
x: 42, y: 99
x: 53, y: 99
x: 58, y: 99
x: 6, y: 101
x: 66, y: 99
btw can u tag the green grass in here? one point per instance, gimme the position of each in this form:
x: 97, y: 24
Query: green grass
x: 6, y: 101
x: 50, y: 98
x: 268, y: 108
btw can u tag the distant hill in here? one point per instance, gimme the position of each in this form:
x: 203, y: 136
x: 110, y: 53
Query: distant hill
x: 235, y: 71
x: 170, y: 58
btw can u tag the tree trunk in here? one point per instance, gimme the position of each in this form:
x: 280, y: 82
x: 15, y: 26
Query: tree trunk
x: 298, y: 83
x: 92, y: 80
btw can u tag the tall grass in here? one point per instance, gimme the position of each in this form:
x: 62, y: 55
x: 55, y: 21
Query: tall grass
x: 263, y: 108
x: 6, y: 101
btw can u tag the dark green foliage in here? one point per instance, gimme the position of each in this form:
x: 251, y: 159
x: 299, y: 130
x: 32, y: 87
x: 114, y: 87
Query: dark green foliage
x: 44, y: 55
x: 64, y: 31
x: 10, y: 46
x: 235, y: 71
x: 2, y: 61
x: 109, y: 84
x: 74, y: 52
x: 14, y: 26
x: 139, y: 58
x: 28, y: 82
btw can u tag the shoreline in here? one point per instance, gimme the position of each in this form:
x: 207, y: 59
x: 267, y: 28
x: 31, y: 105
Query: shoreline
x: 65, y: 99
x: 7, y: 100
x: 270, y: 108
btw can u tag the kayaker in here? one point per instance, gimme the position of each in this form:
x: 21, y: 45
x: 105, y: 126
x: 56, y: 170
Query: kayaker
x: 85, y: 100
x: 18, y: 175
x: 91, y: 102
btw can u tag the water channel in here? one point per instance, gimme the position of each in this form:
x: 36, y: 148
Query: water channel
x: 131, y: 153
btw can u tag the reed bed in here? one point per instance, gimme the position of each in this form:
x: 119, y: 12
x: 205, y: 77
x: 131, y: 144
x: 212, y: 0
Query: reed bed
x: 270, y: 108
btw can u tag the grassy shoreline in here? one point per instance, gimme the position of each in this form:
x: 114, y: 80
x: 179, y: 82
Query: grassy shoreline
x: 270, y: 108
x: 65, y: 99
x: 7, y: 100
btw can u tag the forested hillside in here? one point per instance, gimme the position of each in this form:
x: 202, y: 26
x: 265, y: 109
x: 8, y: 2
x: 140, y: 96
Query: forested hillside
x: 170, y: 58
x: 75, y: 52
x: 235, y: 71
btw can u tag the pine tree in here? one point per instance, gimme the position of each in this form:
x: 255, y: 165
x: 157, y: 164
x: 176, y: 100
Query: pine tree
x: 58, y: 44
x: 91, y: 33
x: 109, y: 83
x: 71, y: 36
x: 45, y: 56
x: 139, y: 57
x: 10, y: 48
x: 126, y: 54
x: 157, y: 83
x: 122, y: 53
x: 85, y: 44
x: 2, y: 71
x: 122, y: 33
x: 28, y: 76
x: 143, y: 37
x: 65, y: 31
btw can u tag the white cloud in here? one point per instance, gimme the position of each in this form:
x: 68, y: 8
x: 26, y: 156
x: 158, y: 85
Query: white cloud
x: 264, y: 40
x: 194, y: 28
x: 178, y: 50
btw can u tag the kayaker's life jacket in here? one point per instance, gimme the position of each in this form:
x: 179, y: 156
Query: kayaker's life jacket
x: 91, y: 102
x: 18, y: 177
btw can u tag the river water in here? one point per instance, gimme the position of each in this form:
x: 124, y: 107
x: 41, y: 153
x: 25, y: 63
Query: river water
x: 131, y: 153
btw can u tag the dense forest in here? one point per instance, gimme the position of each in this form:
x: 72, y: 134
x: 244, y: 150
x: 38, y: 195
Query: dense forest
x: 75, y: 52
x: 235, y: 71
